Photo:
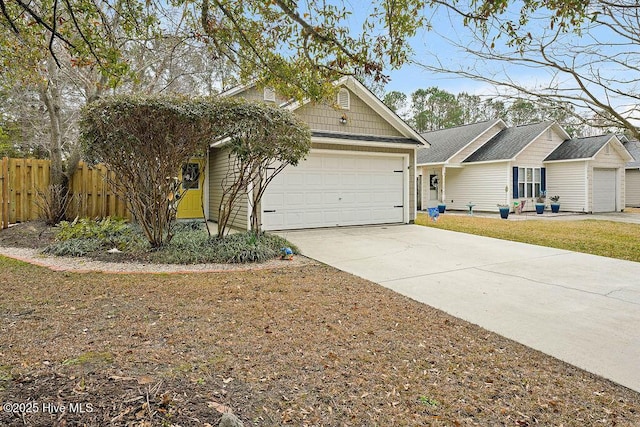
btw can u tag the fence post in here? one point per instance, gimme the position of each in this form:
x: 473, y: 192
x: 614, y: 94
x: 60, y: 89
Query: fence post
x: 5, y: 192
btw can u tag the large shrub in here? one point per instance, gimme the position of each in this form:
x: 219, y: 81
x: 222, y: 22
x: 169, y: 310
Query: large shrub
x: 144, y: 140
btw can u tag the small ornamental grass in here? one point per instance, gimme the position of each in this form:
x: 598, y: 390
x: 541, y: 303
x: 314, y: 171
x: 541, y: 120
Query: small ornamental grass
x: 195, y: 246
x: 191, y: 244
x: 84, y: 236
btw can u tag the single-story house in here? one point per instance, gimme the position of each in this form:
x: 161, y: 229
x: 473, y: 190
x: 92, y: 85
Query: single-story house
x: 632, y: 174
x: 588, y: 174
x: 488, y: 163
x: 361, y: 169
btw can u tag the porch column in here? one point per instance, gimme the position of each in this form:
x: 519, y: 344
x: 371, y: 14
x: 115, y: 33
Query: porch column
x: 442, y: 184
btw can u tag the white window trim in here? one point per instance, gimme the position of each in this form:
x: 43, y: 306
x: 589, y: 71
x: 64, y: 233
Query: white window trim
x: 522, y: 179
x: 346, y: 105
x: 269, y: 94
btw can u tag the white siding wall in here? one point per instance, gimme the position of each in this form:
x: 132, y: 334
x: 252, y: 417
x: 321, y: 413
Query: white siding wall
x: 481, y: 184
x: 465, y: 152
x: 539, y: 149
x: 218, y: 166
x: 567, y: 180
x: 610, y: 159
x: 632, y: 187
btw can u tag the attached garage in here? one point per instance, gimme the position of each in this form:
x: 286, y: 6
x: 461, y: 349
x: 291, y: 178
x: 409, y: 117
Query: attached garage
x: 333, y: 188
x: 604, y: 190
x: 360, y: 170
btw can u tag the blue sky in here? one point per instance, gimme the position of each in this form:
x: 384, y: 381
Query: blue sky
x: 431, y: 45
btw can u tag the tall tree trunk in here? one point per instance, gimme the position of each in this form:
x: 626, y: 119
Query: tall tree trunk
x: 50, y: 97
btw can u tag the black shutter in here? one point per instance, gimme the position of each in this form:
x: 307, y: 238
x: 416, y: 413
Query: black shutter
x: 543, y: 180
x: 515, y: 182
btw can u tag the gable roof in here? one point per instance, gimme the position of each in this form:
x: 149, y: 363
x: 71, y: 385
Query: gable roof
x: 511, y: 141
x: 445, y: 143
x: 633, y: 147
x: 367, y: 97
x: 584, y: 148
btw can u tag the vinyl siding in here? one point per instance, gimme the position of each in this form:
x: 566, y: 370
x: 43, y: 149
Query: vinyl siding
x: 255, y: 94
x: 612, y: 160
x: 481, y: 184
x: 467, y: 151
x: 632, y: 187
x: 361, y: 119
x: 538, y: 150
x: 567, y: 180
x: 218, y: 166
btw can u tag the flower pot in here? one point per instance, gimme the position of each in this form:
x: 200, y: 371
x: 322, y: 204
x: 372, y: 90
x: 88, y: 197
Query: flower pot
x: 539, y: 208
x: 442, y: 208
x: 504, y: 212
x: 555, y: 207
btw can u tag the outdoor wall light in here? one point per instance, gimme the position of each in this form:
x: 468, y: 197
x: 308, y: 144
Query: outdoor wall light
x: 343, y: 119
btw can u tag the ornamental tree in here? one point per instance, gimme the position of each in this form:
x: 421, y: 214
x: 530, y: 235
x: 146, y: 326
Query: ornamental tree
x: 262, y: 141
x: 145, y: 140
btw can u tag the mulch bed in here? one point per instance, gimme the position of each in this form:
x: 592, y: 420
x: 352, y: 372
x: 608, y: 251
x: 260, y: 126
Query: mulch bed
x: 303, y: 346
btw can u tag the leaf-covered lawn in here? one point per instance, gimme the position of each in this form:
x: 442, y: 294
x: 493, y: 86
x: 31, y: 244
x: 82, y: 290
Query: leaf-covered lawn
x: 291, y: 346
x: 605, y: 238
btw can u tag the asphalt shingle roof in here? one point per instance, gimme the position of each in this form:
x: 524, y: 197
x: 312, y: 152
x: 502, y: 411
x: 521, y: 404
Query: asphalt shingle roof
x: 507, y: 143
x: 633, y: 147
x: 579, y: 148
x: 355, y: 137
x: 447, y: 142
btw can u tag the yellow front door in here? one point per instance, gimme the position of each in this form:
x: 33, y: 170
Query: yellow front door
x: 192, y: 177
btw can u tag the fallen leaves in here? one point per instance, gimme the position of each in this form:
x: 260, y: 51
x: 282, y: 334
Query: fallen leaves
x: 342, y: 352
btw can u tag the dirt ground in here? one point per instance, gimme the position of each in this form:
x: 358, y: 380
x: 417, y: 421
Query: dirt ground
x: 33, y: 234
x: 303, y: 346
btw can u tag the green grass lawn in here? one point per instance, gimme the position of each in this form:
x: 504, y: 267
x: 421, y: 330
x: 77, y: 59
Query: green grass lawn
x: 605, y: 238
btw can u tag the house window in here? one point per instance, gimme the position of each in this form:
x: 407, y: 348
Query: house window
x: 344, y: 101
x: 269, y: 94
x: 529, y: 182
x: 191, y: 176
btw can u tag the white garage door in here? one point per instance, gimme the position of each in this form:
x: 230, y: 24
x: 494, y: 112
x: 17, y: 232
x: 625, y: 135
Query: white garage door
x: 604, y: 190
x: 334, y: 189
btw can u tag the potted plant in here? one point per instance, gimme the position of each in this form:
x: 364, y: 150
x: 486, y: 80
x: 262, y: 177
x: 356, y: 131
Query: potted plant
x: 504, y: 211
x: 540, y: 202
x: 555, y: 204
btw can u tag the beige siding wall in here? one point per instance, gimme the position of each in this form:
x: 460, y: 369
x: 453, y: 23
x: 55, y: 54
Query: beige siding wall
x: 412, y: 161
x: 218, y: 166
x: 539, y: 149
x: 567, y: 180
x: 610, y: 160
x: 632, y: 187
x: 361, y: 119
x: 465, y: 152
x: 481, y: 184
x: 255, y: 94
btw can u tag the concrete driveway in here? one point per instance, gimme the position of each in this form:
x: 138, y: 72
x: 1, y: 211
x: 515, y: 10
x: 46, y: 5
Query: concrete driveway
x: 579, y: 308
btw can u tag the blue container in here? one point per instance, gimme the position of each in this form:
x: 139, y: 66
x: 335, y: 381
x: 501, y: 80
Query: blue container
x: 442, y: 208
x: 504, y: 213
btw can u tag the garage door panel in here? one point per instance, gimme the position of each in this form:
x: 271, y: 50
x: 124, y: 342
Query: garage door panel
x: 604, y: 190
x: 337, y: 189
x: 312, y: 179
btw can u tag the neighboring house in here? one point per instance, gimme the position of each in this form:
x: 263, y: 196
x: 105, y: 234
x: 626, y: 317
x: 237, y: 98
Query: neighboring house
x: 361, y: 168
x: 589, y: 174
x: 488, y: 163
x: 632, y: 174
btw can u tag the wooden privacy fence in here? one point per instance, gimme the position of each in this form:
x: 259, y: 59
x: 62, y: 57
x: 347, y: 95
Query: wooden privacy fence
x: 22, y: 180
